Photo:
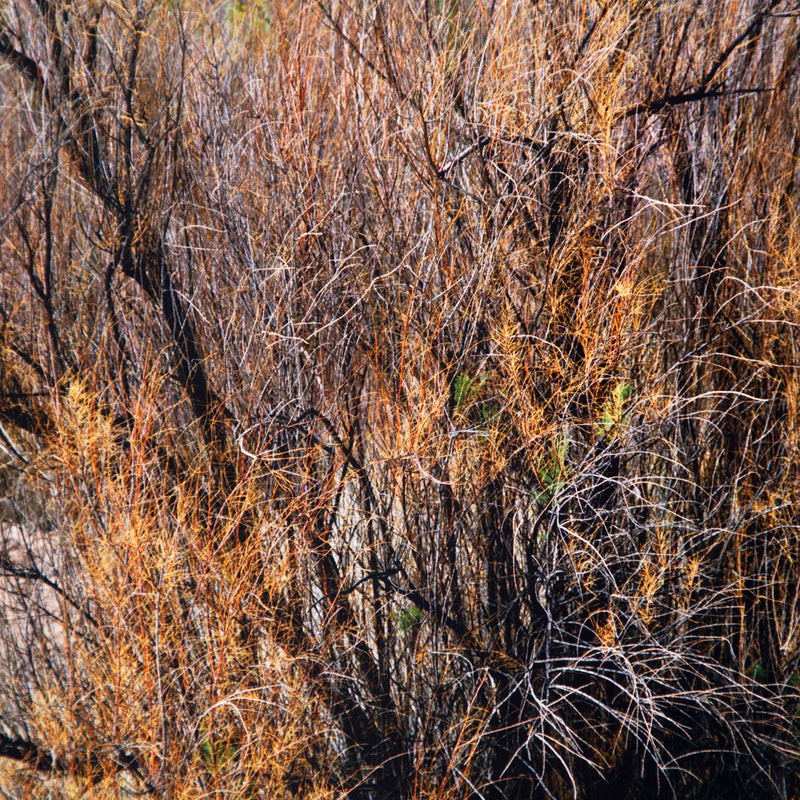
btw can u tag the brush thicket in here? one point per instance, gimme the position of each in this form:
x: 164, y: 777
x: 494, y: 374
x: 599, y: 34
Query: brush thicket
x: 400, y: 400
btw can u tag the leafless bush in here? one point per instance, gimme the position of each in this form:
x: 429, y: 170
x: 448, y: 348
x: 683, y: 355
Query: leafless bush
x: 399, y: 400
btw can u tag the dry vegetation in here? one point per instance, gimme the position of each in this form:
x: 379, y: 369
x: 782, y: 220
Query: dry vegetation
x: 399, y: 399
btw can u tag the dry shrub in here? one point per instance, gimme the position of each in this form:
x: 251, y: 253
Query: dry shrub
x: 399, y: 400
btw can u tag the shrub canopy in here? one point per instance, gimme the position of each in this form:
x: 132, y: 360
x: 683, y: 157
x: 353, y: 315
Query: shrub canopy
x: 399, y: 399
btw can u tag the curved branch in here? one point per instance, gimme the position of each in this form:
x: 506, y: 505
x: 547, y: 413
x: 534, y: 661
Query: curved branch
x: 92, y: 766
x: 22, y: 63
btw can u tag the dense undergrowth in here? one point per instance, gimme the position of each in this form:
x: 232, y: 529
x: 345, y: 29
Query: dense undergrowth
x: 400, y: 400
